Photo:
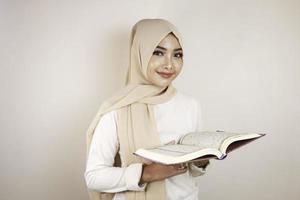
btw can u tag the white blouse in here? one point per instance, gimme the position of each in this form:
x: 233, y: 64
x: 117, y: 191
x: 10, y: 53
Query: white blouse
x: 174, y: 118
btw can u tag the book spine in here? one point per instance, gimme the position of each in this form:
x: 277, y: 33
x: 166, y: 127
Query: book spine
x: 223, y: 157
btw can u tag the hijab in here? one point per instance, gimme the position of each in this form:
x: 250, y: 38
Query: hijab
x: 136, y: 127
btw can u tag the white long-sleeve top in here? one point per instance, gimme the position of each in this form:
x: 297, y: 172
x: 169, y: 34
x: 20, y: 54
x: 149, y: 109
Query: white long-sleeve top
x: 174, y: 118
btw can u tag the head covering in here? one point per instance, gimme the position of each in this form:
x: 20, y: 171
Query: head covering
x: 136, y: 125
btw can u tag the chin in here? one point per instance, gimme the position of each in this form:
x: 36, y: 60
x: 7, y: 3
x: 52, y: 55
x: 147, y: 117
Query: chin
x: 162, y: 84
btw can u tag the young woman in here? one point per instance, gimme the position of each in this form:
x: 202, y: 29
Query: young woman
x: 147, y: 112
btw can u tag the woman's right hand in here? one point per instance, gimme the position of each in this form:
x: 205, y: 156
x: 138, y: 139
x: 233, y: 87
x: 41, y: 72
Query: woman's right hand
x: 156, y: 172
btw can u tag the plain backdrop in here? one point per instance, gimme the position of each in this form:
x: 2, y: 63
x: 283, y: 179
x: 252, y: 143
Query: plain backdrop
x: 60, y: 59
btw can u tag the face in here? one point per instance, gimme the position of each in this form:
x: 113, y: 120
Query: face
x: 166, y: 62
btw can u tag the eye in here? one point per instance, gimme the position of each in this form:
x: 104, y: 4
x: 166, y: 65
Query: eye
x: 178, y: 55
x: 158, y: 53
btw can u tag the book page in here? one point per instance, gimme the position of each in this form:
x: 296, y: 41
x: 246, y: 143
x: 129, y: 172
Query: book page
x: 197, y: 145
x: 175, y: 150
x: 207, y: 139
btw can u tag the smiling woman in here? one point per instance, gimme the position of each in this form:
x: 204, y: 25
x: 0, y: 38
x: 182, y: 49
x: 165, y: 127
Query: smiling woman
x: 148, y: 112
x: 166, y: 62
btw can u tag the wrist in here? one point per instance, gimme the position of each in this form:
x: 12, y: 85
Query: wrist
x: 144, y: 175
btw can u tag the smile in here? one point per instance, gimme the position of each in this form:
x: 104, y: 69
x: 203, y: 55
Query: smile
x: 165, y: 75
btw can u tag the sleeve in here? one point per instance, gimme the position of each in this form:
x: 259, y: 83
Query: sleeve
x: 100, y: 175
x: 195, y: 171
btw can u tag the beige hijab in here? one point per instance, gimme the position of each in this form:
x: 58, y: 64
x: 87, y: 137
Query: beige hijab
x: 136, y: 125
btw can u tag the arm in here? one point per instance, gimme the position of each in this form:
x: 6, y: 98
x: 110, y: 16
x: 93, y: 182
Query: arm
x: 157, y: 172
x: 100, y: 175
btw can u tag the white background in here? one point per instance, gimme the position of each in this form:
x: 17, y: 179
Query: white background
x: 60, y: 59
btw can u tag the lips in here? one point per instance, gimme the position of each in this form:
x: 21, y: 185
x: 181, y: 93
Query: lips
x: 165, y: 75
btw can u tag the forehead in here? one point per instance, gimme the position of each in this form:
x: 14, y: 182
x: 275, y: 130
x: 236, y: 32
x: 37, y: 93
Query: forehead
x: 170, y: 42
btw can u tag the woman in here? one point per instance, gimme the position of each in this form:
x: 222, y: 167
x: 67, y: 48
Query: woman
x: 147, y: 112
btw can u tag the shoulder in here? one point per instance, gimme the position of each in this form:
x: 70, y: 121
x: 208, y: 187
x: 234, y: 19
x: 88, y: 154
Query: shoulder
x: 109, y: 115
x: 105, y: 130
x: 108, y: 118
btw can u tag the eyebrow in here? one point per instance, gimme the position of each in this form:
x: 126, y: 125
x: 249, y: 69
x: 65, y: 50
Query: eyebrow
x: 159, y: 47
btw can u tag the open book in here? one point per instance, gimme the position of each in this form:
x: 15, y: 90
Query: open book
x: 198, y: 146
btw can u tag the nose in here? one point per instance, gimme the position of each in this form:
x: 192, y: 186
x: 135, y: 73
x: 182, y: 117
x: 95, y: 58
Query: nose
x: 168, y: 64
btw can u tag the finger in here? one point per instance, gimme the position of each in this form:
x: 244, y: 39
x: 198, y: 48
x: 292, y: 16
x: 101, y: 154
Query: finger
x: 181, y: 170
x: 181, y: 166
x: 176, y: 166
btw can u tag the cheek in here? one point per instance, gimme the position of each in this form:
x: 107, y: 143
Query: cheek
x: 151, y: 72
x: 178, y: 66
x: 157, y: 62
x: 153, y: 65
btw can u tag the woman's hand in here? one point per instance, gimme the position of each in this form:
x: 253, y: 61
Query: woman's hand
x: 157, y: 172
